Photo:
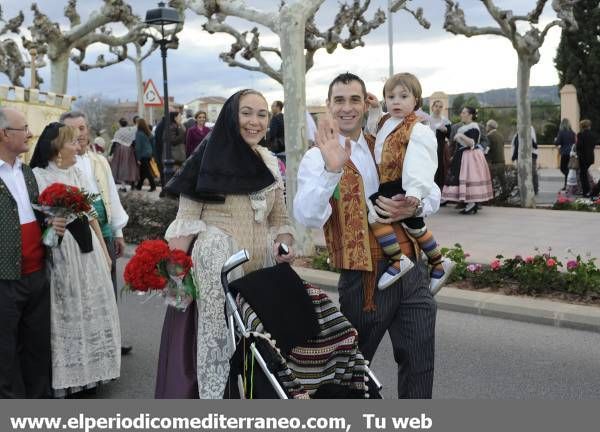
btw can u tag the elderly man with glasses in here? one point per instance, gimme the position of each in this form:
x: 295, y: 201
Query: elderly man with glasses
x: 24, y: 288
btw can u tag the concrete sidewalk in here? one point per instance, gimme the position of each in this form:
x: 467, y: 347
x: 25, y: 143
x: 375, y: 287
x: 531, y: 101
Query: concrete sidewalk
x: 511, y: 231
x: 518, y: 308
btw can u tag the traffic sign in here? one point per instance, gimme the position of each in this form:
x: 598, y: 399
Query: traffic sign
x: 151, y: 96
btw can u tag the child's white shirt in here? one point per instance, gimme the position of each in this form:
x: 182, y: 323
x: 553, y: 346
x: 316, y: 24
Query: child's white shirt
x: 420, y: 160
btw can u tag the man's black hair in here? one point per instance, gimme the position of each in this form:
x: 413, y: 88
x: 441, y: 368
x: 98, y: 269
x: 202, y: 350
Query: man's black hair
x: 346, y: 78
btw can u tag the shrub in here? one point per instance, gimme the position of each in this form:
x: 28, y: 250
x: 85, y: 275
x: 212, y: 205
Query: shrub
x: 504, y: 182
x: 531, y: 275
x: 321, y: 261
x: 458, y: 255
x: 149, y: 216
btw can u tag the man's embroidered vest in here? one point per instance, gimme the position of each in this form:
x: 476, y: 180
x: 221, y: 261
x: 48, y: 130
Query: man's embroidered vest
x: 350, y: 242
x: 10, y: 233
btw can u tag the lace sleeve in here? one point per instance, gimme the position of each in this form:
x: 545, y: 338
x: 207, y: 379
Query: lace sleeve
x: 279, y: 220
x: 188, y: 220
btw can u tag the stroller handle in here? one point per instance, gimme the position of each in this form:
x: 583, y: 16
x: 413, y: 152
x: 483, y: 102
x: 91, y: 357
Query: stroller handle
x: 235, y: 260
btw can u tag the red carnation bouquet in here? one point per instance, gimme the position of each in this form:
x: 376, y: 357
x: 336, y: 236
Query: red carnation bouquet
x: 61, y: 200
x: 156, y: 267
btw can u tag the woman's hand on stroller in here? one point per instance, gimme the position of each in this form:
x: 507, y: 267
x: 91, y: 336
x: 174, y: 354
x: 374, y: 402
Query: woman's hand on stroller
x: 283, y: 257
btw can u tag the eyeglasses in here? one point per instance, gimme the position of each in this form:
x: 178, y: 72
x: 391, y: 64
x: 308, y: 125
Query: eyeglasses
x: 23, y: 129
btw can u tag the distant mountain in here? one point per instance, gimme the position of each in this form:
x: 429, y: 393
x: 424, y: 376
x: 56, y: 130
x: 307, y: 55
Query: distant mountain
x: 508, y: 96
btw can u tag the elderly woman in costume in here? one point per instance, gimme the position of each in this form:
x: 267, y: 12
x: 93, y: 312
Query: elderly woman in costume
x: 85, y: 331
x: 231, y: 197
x: 468, y: 180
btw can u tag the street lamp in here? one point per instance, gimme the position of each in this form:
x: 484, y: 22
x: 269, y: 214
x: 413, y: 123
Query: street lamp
x: 164, y: 20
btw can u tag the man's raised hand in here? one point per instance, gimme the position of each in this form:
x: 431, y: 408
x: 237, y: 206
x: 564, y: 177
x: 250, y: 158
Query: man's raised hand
x: 327, y: 140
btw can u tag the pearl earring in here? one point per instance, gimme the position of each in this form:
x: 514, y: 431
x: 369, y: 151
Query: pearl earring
x: 59, y: 160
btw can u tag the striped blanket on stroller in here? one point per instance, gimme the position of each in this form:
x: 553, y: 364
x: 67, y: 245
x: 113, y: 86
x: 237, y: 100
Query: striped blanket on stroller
x: 326, y: 366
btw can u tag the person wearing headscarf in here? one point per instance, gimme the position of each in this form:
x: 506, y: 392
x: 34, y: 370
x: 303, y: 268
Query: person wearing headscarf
x: 85, y: 331
x: 468, y: 180
x: 123, y: 163
x: 176, y: 138
x: 231, y: 197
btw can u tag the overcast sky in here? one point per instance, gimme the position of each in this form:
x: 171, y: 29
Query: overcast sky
x: 442, y: 61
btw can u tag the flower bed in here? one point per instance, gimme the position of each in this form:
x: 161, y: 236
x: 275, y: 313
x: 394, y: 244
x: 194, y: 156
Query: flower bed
x: 541, y: 273
x: 565, y: 202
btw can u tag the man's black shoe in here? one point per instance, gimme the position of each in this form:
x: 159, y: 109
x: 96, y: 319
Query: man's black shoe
x: 126, y: 349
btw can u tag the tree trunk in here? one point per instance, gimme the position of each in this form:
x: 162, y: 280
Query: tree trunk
x: 291, y: 34
x: 524, y: 163
x: 59, y: 74
x: 139, y: 81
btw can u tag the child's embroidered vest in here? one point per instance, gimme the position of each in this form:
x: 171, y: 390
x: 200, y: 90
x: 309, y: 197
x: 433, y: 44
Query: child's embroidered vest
x: 394, y: 148
x: 350, y: 242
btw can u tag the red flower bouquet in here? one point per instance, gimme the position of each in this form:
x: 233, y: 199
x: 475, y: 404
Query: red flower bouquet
x: 61, y: 200
x: 155, y: 267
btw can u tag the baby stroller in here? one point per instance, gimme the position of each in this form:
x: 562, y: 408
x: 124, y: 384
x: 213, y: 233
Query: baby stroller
x: 291, y: 340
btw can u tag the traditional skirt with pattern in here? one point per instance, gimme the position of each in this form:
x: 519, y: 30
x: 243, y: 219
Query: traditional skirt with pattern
x: 474, y: 182
x: 332, y: 357
x: 124, y: 165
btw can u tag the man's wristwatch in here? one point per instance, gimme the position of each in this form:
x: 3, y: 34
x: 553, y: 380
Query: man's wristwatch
x: 419, y: 210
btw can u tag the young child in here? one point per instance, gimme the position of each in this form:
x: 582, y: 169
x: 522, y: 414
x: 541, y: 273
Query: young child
x: 406, y: 154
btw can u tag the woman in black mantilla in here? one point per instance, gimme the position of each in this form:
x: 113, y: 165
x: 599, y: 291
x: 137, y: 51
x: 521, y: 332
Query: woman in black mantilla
x: 468, y: 180
x: 231, y: 197
x: 85, y: 332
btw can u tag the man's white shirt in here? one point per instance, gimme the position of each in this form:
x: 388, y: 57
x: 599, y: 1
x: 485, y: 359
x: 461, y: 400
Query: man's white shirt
x: 316, y: 185
x: 13, y: 178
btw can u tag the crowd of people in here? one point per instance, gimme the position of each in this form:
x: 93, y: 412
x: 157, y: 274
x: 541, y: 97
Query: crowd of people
x: 369, y: 187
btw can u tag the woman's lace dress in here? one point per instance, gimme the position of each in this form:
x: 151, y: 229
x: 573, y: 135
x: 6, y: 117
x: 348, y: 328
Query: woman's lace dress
x: 244, y: 221
x: 85, y: 332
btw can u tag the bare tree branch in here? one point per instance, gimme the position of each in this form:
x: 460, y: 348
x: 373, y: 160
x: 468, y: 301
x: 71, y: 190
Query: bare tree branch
x: 72, y: 14
x: 417, y: 14
x: 47, y: 36
x: 237, y: 8
x: 350, y: 18
x: 13, y: 25
x: 247, y: 49
x: 11, y: 61
x: 455, y: 23
x: 120, y: 53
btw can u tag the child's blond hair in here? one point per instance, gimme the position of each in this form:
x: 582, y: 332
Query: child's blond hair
x: 408, y: 81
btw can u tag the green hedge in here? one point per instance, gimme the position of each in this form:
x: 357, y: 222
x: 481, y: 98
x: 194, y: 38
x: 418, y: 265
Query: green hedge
x: 149, y: 215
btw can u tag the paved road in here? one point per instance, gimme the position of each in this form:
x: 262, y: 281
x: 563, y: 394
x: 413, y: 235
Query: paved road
x: 477, y: 357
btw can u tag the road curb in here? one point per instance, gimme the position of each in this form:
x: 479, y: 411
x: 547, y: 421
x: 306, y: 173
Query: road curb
x: 539, y: 311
